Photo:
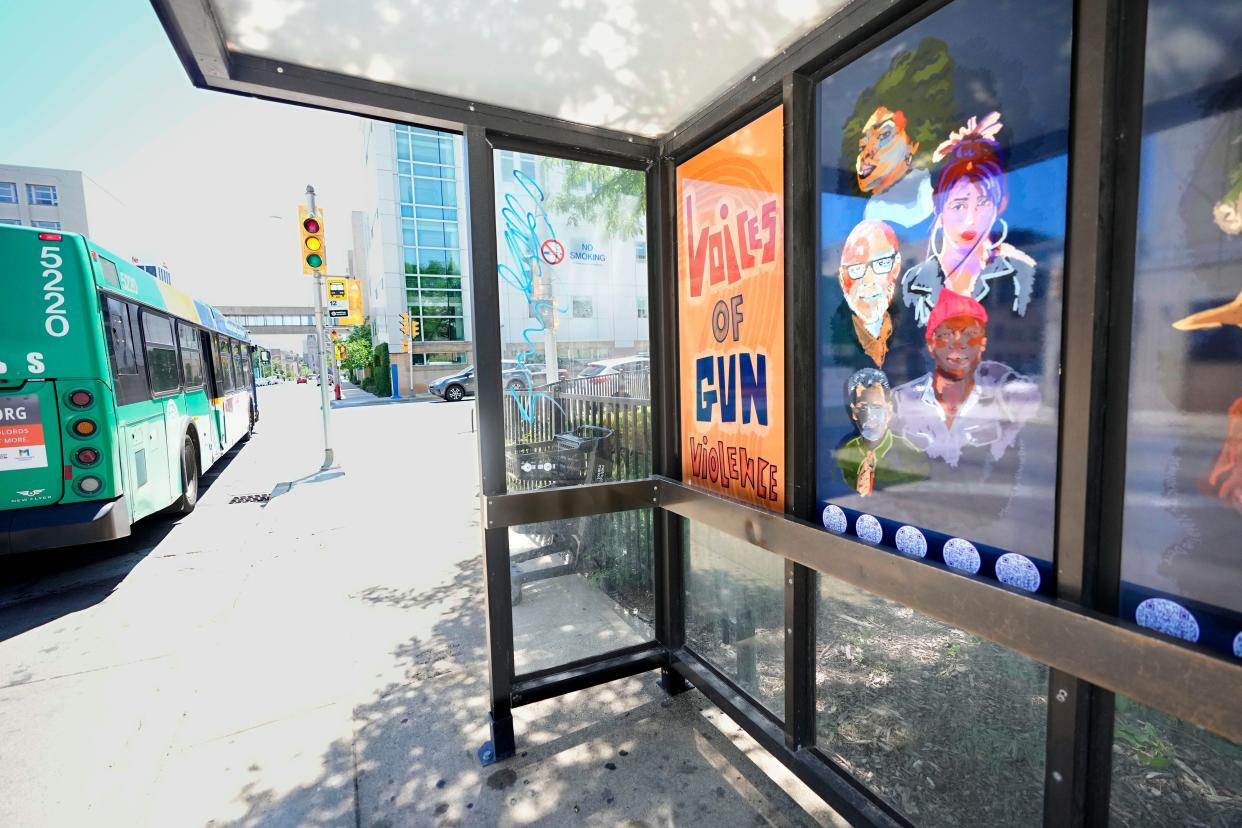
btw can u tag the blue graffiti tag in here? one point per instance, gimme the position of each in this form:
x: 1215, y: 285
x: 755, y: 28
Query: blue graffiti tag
x: 523, y: 223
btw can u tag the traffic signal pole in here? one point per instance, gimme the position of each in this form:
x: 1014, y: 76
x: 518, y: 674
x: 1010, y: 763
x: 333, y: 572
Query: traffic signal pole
x: 321, y: 342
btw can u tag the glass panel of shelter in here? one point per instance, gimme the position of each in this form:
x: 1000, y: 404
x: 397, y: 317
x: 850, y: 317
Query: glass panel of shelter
x: 908, y: 134
x: 575, y: 380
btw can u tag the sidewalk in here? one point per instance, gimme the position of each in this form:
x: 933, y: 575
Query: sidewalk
x: 321, y: 660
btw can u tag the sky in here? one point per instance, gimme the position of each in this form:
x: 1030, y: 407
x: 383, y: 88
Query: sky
x: 205, y: 181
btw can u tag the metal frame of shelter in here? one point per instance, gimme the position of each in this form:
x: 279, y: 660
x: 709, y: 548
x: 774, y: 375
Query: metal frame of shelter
x: 1090, y: 652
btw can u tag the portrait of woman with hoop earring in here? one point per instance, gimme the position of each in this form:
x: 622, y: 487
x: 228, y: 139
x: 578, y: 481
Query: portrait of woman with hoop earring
x: 967, y: 251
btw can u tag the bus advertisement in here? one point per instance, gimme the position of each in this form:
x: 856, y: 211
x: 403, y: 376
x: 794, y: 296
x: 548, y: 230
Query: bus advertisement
x: 117, y: 391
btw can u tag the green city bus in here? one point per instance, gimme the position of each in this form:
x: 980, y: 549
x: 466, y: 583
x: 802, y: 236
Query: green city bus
x: 116, y: 392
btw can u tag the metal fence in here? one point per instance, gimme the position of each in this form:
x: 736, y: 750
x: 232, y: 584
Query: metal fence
x: 619, y: 402
x: 614, y: 551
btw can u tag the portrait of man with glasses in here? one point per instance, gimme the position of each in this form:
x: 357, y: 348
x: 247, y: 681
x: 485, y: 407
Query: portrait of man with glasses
x: 869, y: 272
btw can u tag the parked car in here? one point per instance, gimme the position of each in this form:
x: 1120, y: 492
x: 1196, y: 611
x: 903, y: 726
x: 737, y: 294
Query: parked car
x: 454, y: 387
x: 517, y: 376
x: 522, y: 376
x: 618, y: 377
x: 301, y: 380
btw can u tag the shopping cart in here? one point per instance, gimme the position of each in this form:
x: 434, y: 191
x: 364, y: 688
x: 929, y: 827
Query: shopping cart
x: 583, y: 455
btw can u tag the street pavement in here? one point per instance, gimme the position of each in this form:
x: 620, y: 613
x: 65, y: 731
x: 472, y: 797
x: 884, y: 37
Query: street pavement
x: 321, y: 660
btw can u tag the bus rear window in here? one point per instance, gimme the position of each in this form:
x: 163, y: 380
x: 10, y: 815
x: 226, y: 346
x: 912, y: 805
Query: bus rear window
x: 107, y: 270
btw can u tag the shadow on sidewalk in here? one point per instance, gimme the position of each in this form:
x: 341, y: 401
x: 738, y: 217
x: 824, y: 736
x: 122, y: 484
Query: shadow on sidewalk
x: 82, y: 576
x: 608, y: 755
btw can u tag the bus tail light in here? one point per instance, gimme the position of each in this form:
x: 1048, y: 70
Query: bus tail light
x: 86, y: 456
x: 89, y: 485
x: 85, y: 428
x: 50, y: 237
x: 81, y: 398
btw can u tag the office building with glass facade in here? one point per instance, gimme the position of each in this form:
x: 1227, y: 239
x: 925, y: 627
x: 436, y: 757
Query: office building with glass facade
x: 414, y: 257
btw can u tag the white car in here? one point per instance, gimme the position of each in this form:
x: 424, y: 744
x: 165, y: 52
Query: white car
x: 618, y: 377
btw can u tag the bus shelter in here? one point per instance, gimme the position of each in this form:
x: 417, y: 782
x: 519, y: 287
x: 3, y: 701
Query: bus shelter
x: 922, y: 460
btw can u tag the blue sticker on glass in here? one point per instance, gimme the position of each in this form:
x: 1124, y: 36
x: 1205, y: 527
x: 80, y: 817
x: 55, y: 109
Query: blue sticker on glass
x: 868, y: 528
x: 834, y: 519
x: 1168, y: 617
x: 962, y: 554
x: 911, y: 543
x: 1017, y: 571
x: 1237, y: 645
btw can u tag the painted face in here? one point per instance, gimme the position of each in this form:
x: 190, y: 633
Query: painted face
x: 957, y: 347
x: 871, y: 412
x: 884, y: 153
x: 968, y: 215
x: 869, y: 269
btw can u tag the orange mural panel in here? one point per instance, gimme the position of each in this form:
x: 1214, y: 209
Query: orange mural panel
x: 731, y: 314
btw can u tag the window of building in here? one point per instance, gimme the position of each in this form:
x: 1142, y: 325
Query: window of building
x: 642, y: 307
x: 11, y: 221
x: 123, y: 353
x: 443, y: 330
x: 191, y: 356
x: 434, y: 191
x: 42, y: 194
x: 8, y: 192
x: 161, y: 349
x: 582, y: 307
x: 46, y: 225
x: 449, y: 358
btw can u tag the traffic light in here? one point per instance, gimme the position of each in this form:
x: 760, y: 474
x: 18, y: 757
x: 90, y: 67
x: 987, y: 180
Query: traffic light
x: 314, y: 255
x: 413, y: 329
x: 405, y: 324
x: 335, y: 336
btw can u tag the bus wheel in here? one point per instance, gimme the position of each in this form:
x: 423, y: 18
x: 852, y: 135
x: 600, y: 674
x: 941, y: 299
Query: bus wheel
x: 189, y: 476
x: 249, y: 427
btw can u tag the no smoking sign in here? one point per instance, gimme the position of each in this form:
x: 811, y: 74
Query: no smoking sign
x: 553, y: 251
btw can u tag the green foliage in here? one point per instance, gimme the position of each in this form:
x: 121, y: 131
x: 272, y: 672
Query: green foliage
x: 918, y: 84
x: 610, y: 197
x: 1149, y: 746
x: 358, y: 348
x: 380, y: 381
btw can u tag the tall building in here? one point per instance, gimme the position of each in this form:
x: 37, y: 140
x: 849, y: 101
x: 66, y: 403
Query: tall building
x: 63, y: 200
x: 415, y: 259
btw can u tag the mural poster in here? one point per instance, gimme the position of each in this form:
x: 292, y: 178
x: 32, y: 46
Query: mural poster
x: 943, y: 172
x: 731, y: 306
x: 1181, y: 561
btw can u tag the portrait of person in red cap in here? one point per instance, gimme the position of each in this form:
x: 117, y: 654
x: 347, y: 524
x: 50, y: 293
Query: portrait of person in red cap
x: 965, y: 406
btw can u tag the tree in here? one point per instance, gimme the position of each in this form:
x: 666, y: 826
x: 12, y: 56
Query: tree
x: 611, y: 197
x: 358, y: 348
